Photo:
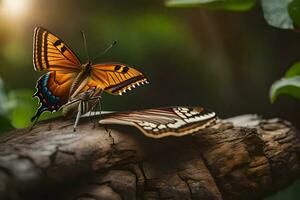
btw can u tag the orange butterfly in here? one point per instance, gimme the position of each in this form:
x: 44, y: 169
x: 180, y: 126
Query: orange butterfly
x: 67, y: 78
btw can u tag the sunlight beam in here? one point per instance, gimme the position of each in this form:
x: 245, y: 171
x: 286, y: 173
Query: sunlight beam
x: 14, y: 8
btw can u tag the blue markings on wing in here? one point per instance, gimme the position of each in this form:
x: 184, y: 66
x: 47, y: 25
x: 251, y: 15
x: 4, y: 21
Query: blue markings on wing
x: 48, y: 101
x: 46, y: 93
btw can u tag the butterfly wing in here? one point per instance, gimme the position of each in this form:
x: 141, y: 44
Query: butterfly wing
x: 50, y: 53
x: 53, y: 91
x: 115, y: 78
x: 162, y: 122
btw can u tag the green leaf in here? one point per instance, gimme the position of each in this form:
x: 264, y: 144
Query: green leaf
x: 294, y: 11
x: 289, y: 86
x: 232, y: 5
x: 293, y: 71
x: 276, y: 13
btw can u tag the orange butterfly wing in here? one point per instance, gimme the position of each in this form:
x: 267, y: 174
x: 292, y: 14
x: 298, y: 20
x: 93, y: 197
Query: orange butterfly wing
x: 51, y: 54
x: 53, y: 91
x: 59, y: 83
x: 114, y: 78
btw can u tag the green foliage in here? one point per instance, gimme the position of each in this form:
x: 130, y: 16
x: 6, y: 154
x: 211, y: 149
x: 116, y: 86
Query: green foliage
x: 276, y: 13
x: 232, y: 5
x: 17, y: 107
x: 5, y: 125
x: 22, y: 108
x: 294, y: 11
x: 293, y: 71
x: 283, y: 14
x: 289, y: 85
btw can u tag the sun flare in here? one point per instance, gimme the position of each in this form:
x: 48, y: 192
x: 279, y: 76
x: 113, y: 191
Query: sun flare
x: 14, y: 8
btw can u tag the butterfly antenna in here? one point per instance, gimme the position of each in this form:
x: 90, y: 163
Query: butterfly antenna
x: 106, y: 50
x: 85, y: 46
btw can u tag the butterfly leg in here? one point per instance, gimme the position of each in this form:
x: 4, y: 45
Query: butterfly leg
x: 94, y: 108
x: 34, y: 123
x: 97, y: 99
x: 78, y: 115
x: 99, y: 103
x: 99, y: 106
x: 91, y: 111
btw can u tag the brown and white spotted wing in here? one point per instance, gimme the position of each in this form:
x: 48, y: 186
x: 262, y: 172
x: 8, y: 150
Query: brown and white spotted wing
x: 162, y: 122
x: 50, y: 53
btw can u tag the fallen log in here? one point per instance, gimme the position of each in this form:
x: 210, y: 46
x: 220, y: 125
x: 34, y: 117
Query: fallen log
x: 239, y: 158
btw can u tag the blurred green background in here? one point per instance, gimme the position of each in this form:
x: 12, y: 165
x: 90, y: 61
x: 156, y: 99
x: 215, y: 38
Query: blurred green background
x: 225, y: 61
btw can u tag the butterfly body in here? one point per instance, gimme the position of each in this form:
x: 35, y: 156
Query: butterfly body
x: 66, y: 77
x: 84, y: 73
x: 88, y: 101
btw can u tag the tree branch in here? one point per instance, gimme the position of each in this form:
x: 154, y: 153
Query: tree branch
x: 226, y: 161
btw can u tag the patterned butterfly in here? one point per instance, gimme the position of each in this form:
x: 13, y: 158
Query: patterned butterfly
x: 66, y: 77
x: 163, y: 122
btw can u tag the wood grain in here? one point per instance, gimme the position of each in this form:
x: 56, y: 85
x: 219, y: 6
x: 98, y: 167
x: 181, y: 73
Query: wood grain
x: 239, y: 158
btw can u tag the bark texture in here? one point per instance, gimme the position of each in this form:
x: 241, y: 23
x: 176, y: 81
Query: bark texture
x: 239, y: 158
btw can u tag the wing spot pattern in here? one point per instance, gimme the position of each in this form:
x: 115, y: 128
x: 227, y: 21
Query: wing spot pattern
x: 57, y: 43
x: 117, y: 67
x: 125, y: 69
x: 63, y: 49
